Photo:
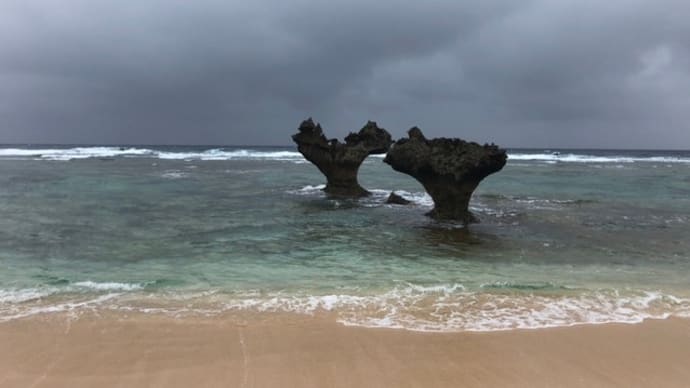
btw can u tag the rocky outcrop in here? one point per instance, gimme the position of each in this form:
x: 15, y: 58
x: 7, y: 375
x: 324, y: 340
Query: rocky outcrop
x: 449, y: 170
x: 340, y: 162
x: 396, y: 199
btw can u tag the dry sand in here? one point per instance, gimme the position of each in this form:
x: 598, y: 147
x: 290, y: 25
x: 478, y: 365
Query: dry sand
x: 298, y: 351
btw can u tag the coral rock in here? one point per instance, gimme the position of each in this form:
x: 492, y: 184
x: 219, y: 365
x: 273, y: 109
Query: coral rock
x: 449, y: 169
x: 340, y: 162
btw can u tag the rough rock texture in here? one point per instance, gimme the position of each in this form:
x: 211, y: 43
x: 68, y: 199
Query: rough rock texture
x: 396, y: 199
x: 449, y: 170
x: 339, y: 162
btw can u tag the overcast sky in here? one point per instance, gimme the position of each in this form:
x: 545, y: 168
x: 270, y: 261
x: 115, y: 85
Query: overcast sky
x: 559, y: 73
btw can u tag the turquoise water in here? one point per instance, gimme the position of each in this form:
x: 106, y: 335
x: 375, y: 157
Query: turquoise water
x: 579, y: 237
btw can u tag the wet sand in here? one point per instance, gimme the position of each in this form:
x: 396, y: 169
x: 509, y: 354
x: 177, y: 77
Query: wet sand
x: 300, y: 351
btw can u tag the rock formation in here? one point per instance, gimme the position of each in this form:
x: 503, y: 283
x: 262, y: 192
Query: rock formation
x: 449, y: 170
x: 340, y: 162
x: 396, y: 199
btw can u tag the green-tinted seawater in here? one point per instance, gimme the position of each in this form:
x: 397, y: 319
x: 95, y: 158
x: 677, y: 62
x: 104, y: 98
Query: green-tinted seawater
x: 194, y: 231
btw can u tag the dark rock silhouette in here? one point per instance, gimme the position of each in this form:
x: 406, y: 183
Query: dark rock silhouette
x: 339, y: 162
x: 396, y: 199
x: 449, y: 170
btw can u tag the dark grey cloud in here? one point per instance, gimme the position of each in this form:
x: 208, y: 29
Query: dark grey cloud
x: 530, y: 73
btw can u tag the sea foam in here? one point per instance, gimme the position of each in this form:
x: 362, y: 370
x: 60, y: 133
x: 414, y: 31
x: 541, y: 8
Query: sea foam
x: 219, y: 154
x: 583, y: 158
x: 73, y: 307
x: 111, y: 152
x: 75, y: 153
x: 65, y: 154
x: 435, y: 307
x: 23, y: 295
x: 450, y: 308
x: 109, y: 286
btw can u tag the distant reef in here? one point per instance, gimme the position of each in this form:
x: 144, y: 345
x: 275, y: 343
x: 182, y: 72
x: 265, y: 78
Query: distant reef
x: 340, y: 162
x: 449, y: 169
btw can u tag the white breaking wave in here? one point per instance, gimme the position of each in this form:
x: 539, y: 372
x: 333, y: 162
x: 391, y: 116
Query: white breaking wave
x: 420, y: 198
x: 111, y: 152
x: 69, y: 307
x: 218, y: 154
x: 308, y: 190
x: 75, y: 153
x: 293, y: 156
x: 449, y: 308
x: 23, y: 295
x: 578, y: 158
x: 109, y: 286
x: 435, y: 308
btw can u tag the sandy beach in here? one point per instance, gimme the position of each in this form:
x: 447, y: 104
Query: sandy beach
x: 302, y: 351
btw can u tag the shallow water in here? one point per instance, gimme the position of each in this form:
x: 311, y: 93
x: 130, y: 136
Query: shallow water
x: 580, y: 237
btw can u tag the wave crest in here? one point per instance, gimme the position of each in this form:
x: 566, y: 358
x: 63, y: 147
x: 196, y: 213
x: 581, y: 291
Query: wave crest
x: 435, y: 307
x: 131, y: 152
x: 583, y: 158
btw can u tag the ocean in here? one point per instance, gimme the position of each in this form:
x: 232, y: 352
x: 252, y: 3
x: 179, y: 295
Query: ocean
x: 566, y: 237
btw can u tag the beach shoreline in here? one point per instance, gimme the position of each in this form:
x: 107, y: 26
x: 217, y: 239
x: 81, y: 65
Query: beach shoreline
x: 292, y: 350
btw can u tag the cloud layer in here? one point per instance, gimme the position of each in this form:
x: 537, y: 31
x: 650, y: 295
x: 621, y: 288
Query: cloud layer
x: 539, y: 73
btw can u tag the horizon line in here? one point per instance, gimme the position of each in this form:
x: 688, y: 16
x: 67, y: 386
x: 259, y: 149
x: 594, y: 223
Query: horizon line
x: 547, y: 148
